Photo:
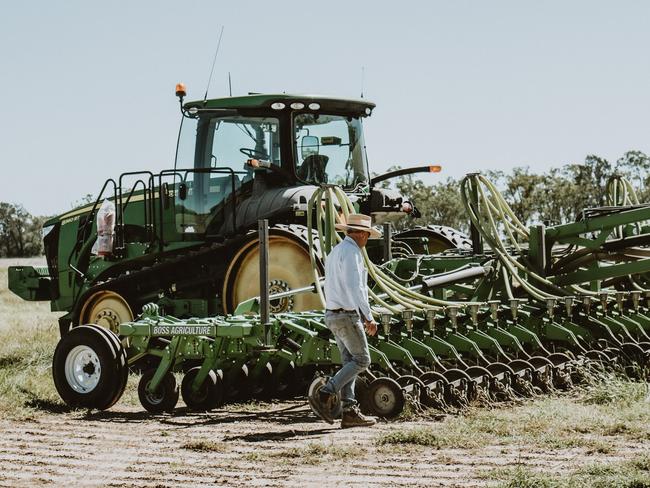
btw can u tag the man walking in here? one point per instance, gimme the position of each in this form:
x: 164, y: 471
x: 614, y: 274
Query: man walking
x: 346, y: 304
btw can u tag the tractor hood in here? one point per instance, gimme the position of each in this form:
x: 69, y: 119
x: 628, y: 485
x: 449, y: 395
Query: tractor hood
x: 274, y: 204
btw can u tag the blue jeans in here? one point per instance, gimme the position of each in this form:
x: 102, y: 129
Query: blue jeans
x: 351, y: 340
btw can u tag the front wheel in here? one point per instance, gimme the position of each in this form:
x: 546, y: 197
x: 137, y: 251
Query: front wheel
x: 88, y: 368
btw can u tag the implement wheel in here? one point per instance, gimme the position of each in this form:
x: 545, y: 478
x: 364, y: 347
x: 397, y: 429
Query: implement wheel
x: 162, y: 400
x: 88, y: 369
x: 210, y: 394
x: 106, y: 309
x: 289, y: 268
x: 385, y: 398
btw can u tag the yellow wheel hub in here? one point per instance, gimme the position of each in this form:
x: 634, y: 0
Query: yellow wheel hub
x: 106, y: 309
x: 289, y: 268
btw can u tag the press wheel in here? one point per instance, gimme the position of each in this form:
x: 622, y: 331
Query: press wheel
x: 209, y: 395
x: 385, y: 398
x: 164, y: 399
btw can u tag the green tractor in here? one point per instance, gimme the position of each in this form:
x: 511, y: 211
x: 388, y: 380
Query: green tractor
x: 185, y: 238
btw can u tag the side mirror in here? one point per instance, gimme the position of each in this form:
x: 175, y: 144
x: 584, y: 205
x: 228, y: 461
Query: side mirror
x: 182, y: 191
x: 309, y: 146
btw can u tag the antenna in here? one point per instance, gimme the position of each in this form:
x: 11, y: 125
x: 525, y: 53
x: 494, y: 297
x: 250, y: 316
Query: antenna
x: 214, y: 60
x: 229, y: 84
x: 363, y: 69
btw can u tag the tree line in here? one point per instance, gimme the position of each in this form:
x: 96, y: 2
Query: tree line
x: 557, y: 195
x: 20, y: 232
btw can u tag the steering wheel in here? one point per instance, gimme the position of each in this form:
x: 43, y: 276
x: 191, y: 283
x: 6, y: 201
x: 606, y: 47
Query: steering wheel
x: 253, y: 153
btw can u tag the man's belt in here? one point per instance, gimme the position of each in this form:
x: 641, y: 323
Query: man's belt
x: 340, y: 310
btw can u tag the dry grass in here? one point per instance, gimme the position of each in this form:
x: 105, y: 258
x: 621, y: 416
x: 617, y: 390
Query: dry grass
x: 581, y: 419
x: 312, y: 453
x: 632, y: 473
x: 28, y: 335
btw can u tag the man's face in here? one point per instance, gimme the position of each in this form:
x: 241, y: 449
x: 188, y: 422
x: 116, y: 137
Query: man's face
x: 360, y: 237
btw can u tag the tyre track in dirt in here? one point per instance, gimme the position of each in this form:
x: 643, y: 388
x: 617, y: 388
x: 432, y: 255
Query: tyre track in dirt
x: 127, y: 447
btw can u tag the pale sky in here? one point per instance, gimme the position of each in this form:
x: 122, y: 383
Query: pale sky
x: 88, y: 86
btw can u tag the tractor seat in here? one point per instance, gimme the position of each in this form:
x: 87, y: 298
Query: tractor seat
x: 312, y: 168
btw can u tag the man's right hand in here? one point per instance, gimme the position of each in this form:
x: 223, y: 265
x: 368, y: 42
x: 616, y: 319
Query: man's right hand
x: 371, y: 327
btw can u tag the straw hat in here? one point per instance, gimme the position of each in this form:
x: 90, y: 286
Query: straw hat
x: 359, y: 222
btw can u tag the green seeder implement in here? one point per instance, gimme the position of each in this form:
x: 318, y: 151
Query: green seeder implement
x: 527, y: 310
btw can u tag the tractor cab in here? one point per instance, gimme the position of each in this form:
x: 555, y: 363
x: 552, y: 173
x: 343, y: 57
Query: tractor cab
x: 267, y: 150
x: 303, y: 139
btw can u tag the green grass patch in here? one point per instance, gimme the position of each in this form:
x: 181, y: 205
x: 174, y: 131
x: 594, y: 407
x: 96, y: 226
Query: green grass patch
x: 312, y: 453
x: 203, y: 445
x: 418, y: 437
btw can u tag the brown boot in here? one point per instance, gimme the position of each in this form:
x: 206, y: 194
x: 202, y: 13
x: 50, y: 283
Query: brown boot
x: 354, y: 418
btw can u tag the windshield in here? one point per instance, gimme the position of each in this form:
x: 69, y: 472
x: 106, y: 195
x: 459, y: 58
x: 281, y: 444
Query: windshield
x: 330, y: 149
x: 227, y: 142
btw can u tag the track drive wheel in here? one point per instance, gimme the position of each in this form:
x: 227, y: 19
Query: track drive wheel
x: 385, y: 398
x: 439, y: 238
x: 210, y: 394
x: 162, y: 400
x: 289, y: 268
x: 88, y: 369
x: 107, y: 309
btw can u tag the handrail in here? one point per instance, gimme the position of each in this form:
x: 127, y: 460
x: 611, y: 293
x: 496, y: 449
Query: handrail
x: 147, y: 203
x: 82, y: 232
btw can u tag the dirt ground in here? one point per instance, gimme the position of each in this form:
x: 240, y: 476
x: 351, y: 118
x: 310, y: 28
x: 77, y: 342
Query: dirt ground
x: 598, y: 437
x: 276, y: 445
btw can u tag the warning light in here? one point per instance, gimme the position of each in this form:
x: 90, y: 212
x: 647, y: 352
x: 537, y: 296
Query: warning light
x: 180, y: 90
x: 435, y: 169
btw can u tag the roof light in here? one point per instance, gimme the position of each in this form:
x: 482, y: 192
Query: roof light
x: 297, y: 105
x: 368, y: 111
x: 193, y: 110
x: 278, y: 106
x: 314, y: 106
x: 180, y: 90
x: 435, y: 169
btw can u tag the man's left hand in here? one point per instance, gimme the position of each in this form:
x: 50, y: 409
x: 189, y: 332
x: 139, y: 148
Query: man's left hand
x: 371, y: 327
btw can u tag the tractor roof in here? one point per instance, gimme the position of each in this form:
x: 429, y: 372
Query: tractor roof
x: 264, y: 101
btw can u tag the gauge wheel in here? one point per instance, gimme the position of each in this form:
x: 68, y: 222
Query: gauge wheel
x: 87, y: 369
x: 107, y: 309
x: 210, y: 394
x: 164, y: 399
x: 386, y: 398
x: 289, y: 268
x: 120, y: 352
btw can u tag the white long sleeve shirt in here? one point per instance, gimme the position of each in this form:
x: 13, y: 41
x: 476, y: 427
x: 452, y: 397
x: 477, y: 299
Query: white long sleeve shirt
x: 346, y: 279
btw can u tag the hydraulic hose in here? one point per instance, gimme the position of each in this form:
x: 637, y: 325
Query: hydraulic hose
x: 323, y: 205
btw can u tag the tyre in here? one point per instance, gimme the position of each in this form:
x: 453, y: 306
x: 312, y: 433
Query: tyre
x: 123, y: 375
x: 210, y: 394
x: 164, y: 399
x: 385, y: 398
x: 87, y: 369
